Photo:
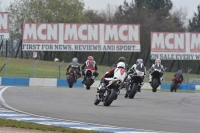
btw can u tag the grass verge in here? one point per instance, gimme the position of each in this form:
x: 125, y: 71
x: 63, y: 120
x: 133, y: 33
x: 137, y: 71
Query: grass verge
x: 34, y: 126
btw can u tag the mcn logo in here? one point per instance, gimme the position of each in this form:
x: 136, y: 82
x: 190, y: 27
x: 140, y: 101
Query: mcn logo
x: 122, y: 34
x: 40, y: 33
x: 167, y: 42
x: 4, y: 22
x: 195, y: 42
x: 81, y: 33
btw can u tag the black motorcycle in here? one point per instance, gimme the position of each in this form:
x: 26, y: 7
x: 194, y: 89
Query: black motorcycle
x: 134, y: 82
x: 175, y: 84
x: 89, y: 78
x: 109, y: 93
x: 71, y: 78
x: 156, y: 75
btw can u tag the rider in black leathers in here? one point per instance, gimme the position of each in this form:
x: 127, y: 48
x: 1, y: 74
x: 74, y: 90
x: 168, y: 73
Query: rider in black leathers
x: 122, y: 59
x: 133, y: 69
x: 179, y: 76
x: 74, y: 66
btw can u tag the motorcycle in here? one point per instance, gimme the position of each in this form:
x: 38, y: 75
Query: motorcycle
x: 71, y: 78
x: 109, y: 93
x: 175, y: 84
x: 89, y: 78
x: 134, y: 82
x: 156, y: 74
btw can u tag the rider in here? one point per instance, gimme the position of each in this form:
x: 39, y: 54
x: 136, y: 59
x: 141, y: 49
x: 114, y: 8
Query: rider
x: 110, y: 74
x: 89, y: 64
x: 179, y: 76
x: 133, y: 69
x: 122, y: 59
x: 74, y: 66
x: 157, y: 64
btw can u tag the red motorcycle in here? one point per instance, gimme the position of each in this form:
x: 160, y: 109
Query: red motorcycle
x: 71, y: 78
x: 175, y: 84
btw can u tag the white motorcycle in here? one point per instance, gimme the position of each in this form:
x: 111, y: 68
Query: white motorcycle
x: 134, y: 81
x: 109, y: 93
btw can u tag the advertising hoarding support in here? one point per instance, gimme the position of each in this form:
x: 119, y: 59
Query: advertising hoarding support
x: 1, y: 44
x: 20, y: 45
x: 198, y: 71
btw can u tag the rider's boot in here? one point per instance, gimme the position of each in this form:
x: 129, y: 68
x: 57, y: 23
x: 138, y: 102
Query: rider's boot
x: 101, y: 87
x: 150, y: 78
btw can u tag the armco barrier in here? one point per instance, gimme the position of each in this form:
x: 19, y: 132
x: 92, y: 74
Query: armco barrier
x: 197, y: 87
x: 42, y: 82
x: 62, y: 82
x: 182, y: 87
x: 15, y: 81
x: 36, y: 82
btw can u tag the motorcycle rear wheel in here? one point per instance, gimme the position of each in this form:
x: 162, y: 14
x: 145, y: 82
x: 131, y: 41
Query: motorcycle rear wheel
x: 110, y: 98
x: 133, y: 91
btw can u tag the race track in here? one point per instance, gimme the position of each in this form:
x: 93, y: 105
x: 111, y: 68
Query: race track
x: 160, y: 111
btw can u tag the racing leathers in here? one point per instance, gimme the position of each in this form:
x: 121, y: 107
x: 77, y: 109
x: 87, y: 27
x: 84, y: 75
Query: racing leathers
x: 156, y: 66
x: 139, y: 67
x: 74, y: 66
x: 179, y: 76
x: 89, y: 64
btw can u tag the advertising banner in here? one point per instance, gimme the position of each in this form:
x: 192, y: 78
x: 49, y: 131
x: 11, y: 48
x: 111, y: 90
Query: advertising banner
x: 175, y: 46
x: 4, y: 25
x: 81, y: 37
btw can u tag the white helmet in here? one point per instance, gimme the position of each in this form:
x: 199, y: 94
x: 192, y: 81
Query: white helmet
x: 74, y: 60
x: 121, y: 64
x: 157, y: 61
x: 139, y: 61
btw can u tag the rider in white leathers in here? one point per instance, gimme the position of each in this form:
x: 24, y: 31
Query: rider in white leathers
x: 119, y: 73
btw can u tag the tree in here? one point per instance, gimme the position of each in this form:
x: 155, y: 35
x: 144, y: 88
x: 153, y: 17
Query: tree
x: 194, y: 23
x: 161, y: 7
x: 44, y: 11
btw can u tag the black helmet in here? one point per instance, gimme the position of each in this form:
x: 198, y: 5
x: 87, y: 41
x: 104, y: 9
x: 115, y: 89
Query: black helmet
x: 122, y: 59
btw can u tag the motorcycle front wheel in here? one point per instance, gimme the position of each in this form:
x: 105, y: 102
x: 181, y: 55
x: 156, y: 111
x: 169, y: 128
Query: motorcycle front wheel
x: 155, y: 84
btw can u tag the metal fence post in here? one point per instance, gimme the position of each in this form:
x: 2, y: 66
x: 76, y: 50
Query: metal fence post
x: 189, y: 70
x: 164, y: 75
x: 35, y: 68
x: 59, y: 65
x: 7, y: 66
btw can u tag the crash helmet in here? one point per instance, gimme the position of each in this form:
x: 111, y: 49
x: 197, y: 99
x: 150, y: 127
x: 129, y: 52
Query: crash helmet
x: 122, y: 59
x: 121, y: 65
x: 75, y: 60
x: 179, y: 71
x: 90, y: 58
x: 157, y: 61
x: 139, y: 61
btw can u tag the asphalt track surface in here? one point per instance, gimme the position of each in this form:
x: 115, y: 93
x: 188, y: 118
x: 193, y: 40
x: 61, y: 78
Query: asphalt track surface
x: 160, y: 111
